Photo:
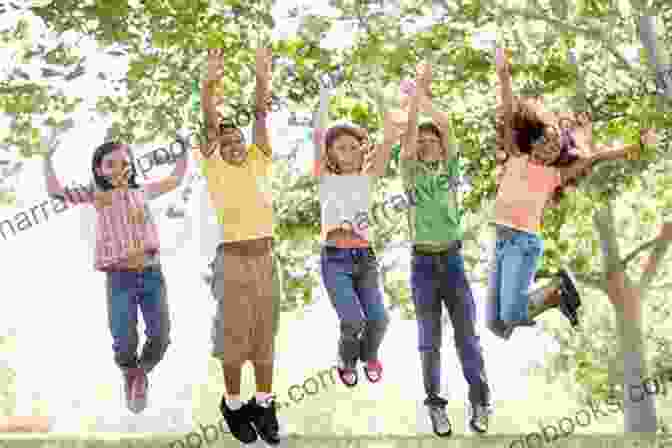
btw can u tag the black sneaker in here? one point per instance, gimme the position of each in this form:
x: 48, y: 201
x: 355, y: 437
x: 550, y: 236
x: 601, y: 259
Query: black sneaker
x: 437, y: 414
x: 479, y: 417
x: 265, y: 420
x: 239, y: 422
x: 570, y: 300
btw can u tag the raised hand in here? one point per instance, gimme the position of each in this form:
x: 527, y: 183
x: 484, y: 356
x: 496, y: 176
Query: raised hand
x: 215, y: 64
x: 424, y: 77
x: 502, y: 64
x: 649, y: 137
x: 264, y: 63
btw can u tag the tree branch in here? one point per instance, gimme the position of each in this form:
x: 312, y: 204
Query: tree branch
x: 632, y: 255
x: 663, y: 243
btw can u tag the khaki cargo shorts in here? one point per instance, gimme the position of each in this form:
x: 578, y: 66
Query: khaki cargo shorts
x: 246, y: 285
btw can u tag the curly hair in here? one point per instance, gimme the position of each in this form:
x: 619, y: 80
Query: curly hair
x: 544, y: 135
x: 334, y: 132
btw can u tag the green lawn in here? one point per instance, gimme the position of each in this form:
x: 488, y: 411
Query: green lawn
x: 110, y: 440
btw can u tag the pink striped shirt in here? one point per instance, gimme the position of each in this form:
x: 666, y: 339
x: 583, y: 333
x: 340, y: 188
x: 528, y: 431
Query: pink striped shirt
x: 124, y: 230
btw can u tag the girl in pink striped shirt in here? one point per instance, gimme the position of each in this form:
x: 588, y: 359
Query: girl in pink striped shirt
x: 127, y: 250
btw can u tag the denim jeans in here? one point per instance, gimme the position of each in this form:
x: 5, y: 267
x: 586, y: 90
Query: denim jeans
x: 438, y: 280
x: 351, y: 279
x: 512, y: 271
x: 126, y: 291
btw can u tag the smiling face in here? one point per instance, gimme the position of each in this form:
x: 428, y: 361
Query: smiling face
x: 232, y: 146
x: 116, y: 165
x: 345, y: 152
x: 430, y: 147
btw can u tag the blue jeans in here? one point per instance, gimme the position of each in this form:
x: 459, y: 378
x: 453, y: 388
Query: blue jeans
x: 126, y: 291
x: 512, y: 272
x: 351, y: 279
x: 438, y: 280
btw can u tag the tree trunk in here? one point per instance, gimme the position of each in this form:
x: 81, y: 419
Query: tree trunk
x: 649, y: 38
x: 639, y: 407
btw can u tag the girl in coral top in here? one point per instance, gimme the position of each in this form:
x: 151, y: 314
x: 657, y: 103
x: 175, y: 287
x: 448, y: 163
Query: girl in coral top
x: 541, y: 154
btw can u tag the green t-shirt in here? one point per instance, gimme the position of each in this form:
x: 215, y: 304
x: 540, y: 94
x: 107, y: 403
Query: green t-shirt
x: 434, y: 214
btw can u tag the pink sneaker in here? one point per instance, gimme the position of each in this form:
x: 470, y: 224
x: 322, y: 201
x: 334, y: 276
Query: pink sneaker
x: 138, y: 390
x: 128, y: 387
x: 374, y: 371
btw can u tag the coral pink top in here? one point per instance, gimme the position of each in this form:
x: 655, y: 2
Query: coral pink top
x: 523, y: 193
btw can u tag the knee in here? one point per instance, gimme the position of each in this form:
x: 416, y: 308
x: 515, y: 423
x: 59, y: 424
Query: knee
x: 352, y: 329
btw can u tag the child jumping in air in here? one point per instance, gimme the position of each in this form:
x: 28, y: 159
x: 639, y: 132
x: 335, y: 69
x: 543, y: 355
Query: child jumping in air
x: 127, y: 250
x: 347, y: 165
x: 542, y: 153
x: 238, y: 178
x: 429, y: 163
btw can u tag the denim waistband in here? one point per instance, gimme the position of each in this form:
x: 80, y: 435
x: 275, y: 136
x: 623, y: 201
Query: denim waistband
x: 150, y: 268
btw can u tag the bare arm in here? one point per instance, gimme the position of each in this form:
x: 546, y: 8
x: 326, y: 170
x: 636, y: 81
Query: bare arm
x: 504, y: 74
x: 170, y: 183
x: 583, y: 166
x: 381, y: 157
x: 320, y: 122
x: 262, y: 92
x: 56, y: 190
x: 208, y: 100
x: 409, y: 146
x: 409, y: 141
x: 442, y: 120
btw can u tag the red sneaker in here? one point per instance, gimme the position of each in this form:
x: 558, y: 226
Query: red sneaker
x: 373, y: 371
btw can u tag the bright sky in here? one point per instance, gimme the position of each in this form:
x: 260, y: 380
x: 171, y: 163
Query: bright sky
x: 57, y: 299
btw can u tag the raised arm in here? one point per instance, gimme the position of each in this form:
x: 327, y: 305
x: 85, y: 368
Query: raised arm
x: 174, y: 179
x: 82, y: 195
x: 320, y: 122
x: 409, y: 146
x: 377, y: 160
x: 263, y: 95
x: 582, y: 166
x: 441, y: 119
x: 208, y: 100
x: 504, y: 73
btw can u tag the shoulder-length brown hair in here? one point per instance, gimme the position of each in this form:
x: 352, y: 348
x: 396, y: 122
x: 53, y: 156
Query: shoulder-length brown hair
x: 334, y: 132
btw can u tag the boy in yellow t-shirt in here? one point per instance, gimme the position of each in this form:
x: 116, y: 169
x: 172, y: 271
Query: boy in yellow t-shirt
x: 238, y: 179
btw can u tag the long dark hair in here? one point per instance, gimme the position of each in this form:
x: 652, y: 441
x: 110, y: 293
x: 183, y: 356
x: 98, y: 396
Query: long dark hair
x: 102, y: 182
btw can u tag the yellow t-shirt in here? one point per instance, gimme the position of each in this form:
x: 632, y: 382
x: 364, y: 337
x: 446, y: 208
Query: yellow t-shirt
x: 241, y: 195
